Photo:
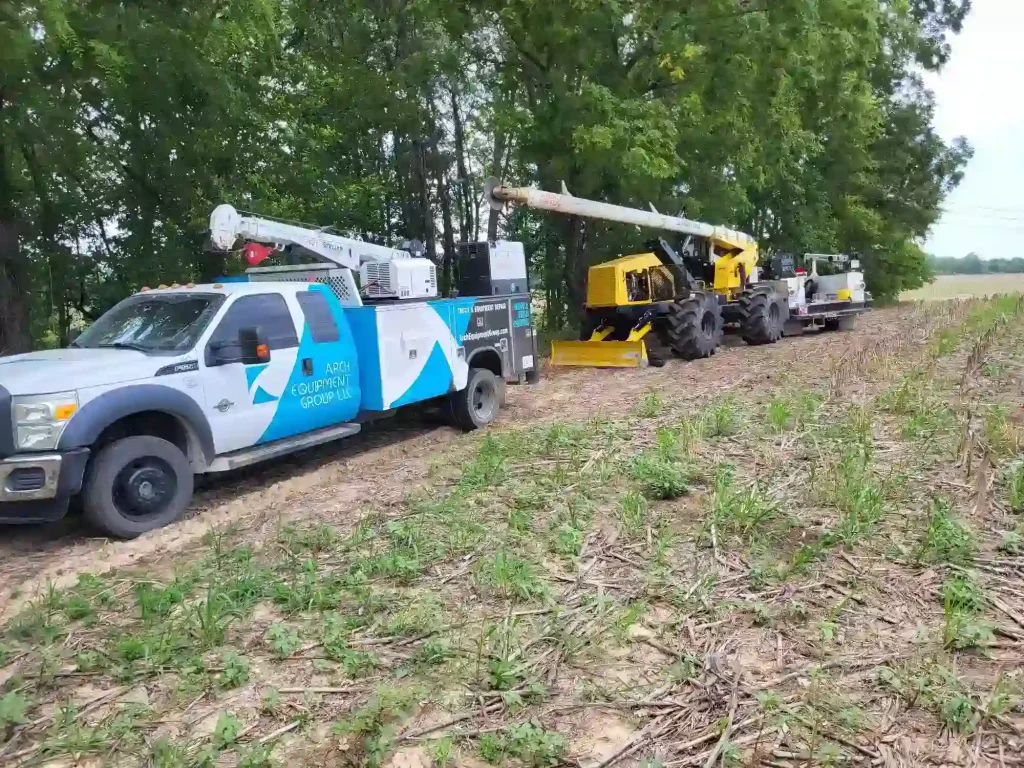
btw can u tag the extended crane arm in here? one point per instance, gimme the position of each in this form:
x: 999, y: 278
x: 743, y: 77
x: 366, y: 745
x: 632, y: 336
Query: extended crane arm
x: 497, y: 195
x: 228, y: 226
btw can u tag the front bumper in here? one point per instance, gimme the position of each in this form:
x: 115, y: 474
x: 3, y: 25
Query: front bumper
x: 36, y: 488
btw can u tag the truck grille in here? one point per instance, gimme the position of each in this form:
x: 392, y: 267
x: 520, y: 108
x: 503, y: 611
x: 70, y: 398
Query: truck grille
x: 6, y: 424
x: 26, y: 479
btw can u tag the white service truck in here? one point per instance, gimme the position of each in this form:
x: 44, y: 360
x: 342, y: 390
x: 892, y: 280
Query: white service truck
x: 200, y: 379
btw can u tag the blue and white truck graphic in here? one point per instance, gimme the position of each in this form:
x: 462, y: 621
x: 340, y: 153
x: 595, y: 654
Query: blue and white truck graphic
x: 198, y: 379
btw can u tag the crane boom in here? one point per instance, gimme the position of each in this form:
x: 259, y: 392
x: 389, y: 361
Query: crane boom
x: 227, y: 226
x: 497, y: 195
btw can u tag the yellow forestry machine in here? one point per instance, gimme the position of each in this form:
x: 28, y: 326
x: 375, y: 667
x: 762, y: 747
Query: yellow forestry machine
x: 644, y: 307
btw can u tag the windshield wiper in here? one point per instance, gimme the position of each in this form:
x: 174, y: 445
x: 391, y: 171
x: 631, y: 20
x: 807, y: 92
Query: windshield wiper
x: 124, y: 345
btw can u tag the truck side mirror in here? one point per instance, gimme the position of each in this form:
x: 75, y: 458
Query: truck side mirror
x: 254, y: 344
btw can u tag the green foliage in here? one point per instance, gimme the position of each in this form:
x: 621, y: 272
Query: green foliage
x: 13, y: 707
x: 1016, y: 489
x: 236, y: 670
x: 857, y: 495
x: 721, y: 420
x: 962, y: 601
x: 375, y: 723
x: 633, y: 512
x: 650, y: 407
x: 660, y: 471
x: 937, y: 687
x: 226, y: 730
x: 947, y: 539
x: 623, y: 101
x: 283, y: 640
x: 528, y: 742
x: 741, y: 513
x: 779, y: 413
x: 510, y: 576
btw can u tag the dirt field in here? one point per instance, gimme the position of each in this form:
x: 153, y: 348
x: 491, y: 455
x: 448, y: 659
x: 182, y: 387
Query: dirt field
x: 966, y: 287
x: 805, y: 554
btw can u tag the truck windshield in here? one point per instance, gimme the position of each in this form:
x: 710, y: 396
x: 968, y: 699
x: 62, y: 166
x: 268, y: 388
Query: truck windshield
x: 164, y: 323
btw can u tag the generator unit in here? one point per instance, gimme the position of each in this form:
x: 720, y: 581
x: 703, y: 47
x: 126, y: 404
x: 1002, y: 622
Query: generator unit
x: 399, y: 279
x: 492, y: 269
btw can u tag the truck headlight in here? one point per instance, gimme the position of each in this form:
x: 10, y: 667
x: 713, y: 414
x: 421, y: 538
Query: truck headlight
x: 39, y: 420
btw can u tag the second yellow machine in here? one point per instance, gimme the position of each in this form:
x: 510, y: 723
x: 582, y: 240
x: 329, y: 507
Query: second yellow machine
x: 662, y: 302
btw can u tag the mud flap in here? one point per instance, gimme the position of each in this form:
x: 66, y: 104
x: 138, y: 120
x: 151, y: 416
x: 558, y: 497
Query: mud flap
x: 599, y: 354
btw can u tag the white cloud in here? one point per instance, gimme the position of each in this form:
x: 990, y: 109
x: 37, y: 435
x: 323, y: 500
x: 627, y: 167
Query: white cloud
x: 980, y: 95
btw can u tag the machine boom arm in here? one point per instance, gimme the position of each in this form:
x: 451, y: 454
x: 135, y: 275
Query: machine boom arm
x: 227, y: 226
x: 498, y: 195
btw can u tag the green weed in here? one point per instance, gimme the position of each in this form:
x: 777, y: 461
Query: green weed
x: 511, y: 576
x: 650, y: 407
x: 375, y: 723
x: 937, y: 687
x: 235, y: 672
x: 722, y: 420
x: 13, y: 707
x: 633, y: 512
x: 662, y: 477
x: 282, y: 640
x: 947, y: 539
x: 1016, y: 489
x: 739, y: 512
x: 858, y: 497
x: 528, y: 742
x: 225, y: 732
x: 779, y: 413
x: 1012, y: 543
x: 1000, y: 433
x: 962, y: 601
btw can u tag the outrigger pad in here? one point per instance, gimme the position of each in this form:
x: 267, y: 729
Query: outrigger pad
x: 599, y: 354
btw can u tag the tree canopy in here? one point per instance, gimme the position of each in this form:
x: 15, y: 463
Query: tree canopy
x: 123, y: 123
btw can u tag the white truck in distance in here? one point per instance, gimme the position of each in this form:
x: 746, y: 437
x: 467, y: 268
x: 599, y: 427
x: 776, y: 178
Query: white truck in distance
x: 202, y: 379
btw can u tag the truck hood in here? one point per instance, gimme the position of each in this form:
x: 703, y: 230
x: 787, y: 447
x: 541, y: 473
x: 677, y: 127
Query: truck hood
x: 64, y: 370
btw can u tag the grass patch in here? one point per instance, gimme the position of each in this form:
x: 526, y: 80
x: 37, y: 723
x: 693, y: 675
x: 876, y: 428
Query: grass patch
x: 936, y: 687
x: 779, y: 414
x: 962, y: 602
x: 662, y: 474
x: 740, y: 513
x: 946, y: 539
x: 510, y: 576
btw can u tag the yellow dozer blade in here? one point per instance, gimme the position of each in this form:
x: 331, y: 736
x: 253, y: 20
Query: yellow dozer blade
x: 599, y: 354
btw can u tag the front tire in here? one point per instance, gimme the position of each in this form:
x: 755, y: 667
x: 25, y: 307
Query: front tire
x: 478, y: 404
x: 762, y: 317
x: 136, y: 485
x: 692, y: 327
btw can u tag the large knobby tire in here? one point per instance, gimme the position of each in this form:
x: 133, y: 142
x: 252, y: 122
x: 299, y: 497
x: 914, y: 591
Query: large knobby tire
x: 763, y: 317
x: 692, y: 327
x: 135, y: 485
x: 478, y: 404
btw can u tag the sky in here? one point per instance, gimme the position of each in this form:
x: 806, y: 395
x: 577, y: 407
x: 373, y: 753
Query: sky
x: 980, y: 95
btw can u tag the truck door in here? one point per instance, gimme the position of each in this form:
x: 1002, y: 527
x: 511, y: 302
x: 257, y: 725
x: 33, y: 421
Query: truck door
x: 242, y: 400
x: 323, y: 389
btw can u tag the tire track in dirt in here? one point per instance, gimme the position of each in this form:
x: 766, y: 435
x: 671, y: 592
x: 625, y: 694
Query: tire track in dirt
x: 389, y: 460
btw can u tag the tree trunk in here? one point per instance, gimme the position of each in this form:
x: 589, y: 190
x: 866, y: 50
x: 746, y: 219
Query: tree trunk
x: 448, y: 236
x: 497, y: 163
x: 466, y: 197
x: 423, y: 189
x: 15, y: 334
